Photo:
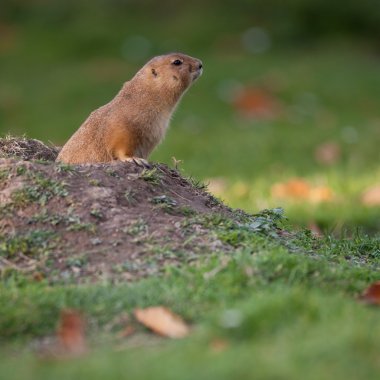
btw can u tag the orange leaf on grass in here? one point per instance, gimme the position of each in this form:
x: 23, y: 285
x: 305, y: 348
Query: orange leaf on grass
x: 295, y: 188
x: 320, y: 194
x: 71, y: 333
x: 256, y: 103
x: 372, y: 294
x: 219, y: 345
x: 371, y: 197
x: 299, y: 189
x: 126, y: 332
x: 314, y: 228
x: 162, y: 321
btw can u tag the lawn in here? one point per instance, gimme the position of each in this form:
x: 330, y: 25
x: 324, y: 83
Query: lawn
x: 267, y: 312
x: 294, y: 126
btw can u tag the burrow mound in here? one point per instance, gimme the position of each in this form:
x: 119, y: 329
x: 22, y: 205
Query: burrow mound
x: 101, y: 221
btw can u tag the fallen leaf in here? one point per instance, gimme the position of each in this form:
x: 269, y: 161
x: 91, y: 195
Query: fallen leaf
x: 219, y: 345
x: 38, y: 276
x: 299, y: 189
x: 256, y: 103
x: 372, y: 294
x: 162, y: 321
x: 327, y: 153
x: 71, y: 333
x: 126, y: 332
x: 314, y: 228
x: 320, y: 194
x: 294, y: 188
x: 371, y: 196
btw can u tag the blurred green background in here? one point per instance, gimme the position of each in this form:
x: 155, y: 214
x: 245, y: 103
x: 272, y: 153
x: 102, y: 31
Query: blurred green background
x: 286, y: 114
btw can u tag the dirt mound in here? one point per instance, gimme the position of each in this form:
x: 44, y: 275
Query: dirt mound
x: 27, y: 149
x: 103, y: 221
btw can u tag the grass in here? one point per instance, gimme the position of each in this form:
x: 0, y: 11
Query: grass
x: 275, y: 311
x: 39, y: 190
x: 32, y: 244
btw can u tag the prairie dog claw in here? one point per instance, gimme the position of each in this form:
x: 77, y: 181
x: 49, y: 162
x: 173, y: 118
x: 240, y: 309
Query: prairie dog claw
x: 138, y: 161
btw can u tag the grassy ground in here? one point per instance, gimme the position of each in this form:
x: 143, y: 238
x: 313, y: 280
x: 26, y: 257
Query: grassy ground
x: 268, y: 312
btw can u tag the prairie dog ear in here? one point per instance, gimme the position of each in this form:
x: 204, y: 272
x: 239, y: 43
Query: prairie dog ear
x: 154, y: 72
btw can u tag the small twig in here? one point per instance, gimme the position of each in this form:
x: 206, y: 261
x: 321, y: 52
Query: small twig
x: 172, y: 191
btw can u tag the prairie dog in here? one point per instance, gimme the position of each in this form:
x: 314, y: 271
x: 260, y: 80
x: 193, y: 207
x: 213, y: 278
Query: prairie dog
x: 131, y: 125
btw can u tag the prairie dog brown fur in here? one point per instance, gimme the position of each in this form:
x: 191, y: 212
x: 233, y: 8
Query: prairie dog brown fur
x: 131, y: 125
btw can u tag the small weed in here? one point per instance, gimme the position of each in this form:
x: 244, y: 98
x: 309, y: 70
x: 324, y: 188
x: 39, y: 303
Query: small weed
x: 46, y: 218
x: 20, y: 170
x: 112, y: 173
x: 213, y: 201
x: 78, y: 225
x: 72, y: 221
x: 151, y: 175
x: 136, y: 228
x: 41, y: 190
x: 197, y: 183
x: 93, y: 182
x: 96, y: 213
x: 267, y: 221
x: 78, y: 261
x: 64, y: 168
x: 166, y: 252
x: 214, y: 220
x: 186, y: 211
x: 42, y: 161
x: 30, y: 244
x: 4, y: 174
x: 126, y: 266
x: 130, y: 196
x: 164, y: 203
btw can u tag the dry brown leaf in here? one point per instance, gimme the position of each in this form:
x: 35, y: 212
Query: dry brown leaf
x: 71, y: 333
x: 219, y: 345
x: 327, y: 153
x: 371, y: 197
x: 320, y: 194
x: 314, y: 228
x: 256, y: 103
x: 126, y: 332
x: 162, y: 321
x: 38, y: 276
x: 294, y: 188
x: 299, y: 189
x: 372, y: 294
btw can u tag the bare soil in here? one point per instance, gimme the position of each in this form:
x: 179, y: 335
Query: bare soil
x: 93, y: 222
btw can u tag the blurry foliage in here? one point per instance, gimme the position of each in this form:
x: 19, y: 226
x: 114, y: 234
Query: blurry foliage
x: 293, y: 20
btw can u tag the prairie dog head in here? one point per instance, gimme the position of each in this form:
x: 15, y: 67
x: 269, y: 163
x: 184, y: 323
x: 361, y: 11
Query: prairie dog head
x: 172, y: 74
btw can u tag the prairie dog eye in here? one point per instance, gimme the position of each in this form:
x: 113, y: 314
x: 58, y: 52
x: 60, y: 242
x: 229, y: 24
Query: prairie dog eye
x: 177, y: 62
